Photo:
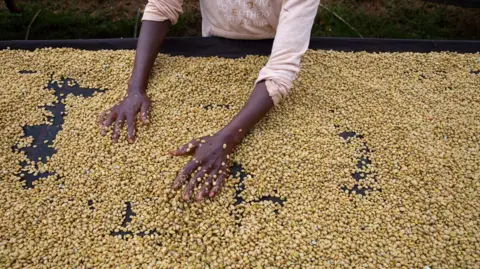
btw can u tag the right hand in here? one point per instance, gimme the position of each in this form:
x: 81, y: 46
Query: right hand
x: 125, y: 110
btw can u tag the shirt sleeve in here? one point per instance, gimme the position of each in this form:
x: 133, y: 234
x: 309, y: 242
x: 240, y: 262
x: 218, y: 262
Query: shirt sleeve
x: 291, y: 42
x: 163, y: 10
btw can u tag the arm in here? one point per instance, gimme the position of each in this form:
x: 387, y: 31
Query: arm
x: 291, y: 42
x: 150, y: 40
x: 159, y: 14
x: 211, y: 153
x: 151, y: 37
x: 256, y: 107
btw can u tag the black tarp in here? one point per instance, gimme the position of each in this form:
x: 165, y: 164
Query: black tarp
x: 213, y: 46
x: 458, y: 3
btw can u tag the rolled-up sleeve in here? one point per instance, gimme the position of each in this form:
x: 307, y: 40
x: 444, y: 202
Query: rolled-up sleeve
x: 163, y: 10
x: 291, y: 42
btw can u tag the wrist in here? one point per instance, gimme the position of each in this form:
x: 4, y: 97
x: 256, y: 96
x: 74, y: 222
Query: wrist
x: 232, y: 135
x: 135, y: 88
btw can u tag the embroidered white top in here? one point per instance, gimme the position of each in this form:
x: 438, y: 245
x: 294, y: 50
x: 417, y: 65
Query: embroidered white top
x: 289, y: 22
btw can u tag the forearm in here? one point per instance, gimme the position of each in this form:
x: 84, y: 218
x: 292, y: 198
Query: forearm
x: 256, y: 107
x: 150, y: 40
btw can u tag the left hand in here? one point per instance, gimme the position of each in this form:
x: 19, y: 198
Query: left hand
x: 209, y: 166
x: 211, y: 161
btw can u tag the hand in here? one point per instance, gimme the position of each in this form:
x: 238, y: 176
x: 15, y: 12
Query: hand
x: 209, y: 165
x: 125, y: 110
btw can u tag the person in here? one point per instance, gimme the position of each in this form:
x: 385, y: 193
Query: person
x: 289, y: 22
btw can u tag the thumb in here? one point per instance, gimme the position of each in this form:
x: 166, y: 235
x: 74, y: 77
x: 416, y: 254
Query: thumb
x: 144, y: 112
x: 187, y: 149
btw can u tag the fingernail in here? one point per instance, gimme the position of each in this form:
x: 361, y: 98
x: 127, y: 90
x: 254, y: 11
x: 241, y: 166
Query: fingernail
x: 212, y: 194
x: 177, y: 184
x: 131, y: 140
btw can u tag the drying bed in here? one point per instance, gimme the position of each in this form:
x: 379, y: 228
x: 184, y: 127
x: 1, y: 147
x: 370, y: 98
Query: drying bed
x: 373, y: 160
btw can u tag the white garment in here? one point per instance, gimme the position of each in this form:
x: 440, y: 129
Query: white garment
x: 288, y: 21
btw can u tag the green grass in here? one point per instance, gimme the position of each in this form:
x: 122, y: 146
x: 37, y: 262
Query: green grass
x: 62, y: 25
x: 401, y: 21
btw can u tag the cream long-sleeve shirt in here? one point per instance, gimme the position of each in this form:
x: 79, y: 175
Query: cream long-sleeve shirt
x: 288, y: 21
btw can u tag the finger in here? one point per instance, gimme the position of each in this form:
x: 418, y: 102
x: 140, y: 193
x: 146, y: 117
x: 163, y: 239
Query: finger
x: 184, y: 175
x: 144, y: 112
x: 111, y: 118
x: 101, y: 122
x: 101, y: 118
x: 193, y: 183
x: 207, y: 186
x: 108, y: 119
x: 187, y: 149
x: 131, y: 128
x: 118, y: 127
x: 217, y: 185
